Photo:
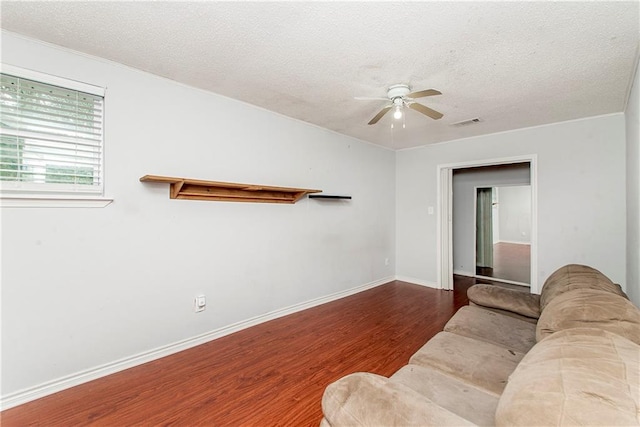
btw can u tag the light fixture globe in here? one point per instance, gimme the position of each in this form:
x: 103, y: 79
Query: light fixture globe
x: 398, y: 101
x: 397, y: 114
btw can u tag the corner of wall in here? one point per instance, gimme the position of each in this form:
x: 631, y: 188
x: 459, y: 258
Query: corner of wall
x: 632, y: 131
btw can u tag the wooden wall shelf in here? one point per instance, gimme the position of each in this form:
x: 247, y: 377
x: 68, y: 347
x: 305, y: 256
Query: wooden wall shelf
x: 196, y: 189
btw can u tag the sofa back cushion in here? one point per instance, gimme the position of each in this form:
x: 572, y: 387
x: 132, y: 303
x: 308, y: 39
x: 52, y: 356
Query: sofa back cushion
x: 572, y: 277
x: 590, y: 308
x: 580, y: 376
x: 506, y: 300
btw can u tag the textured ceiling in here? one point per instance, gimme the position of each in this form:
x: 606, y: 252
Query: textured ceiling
x: 513, y: 64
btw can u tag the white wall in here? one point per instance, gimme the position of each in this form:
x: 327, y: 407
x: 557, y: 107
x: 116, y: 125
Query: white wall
x: 464, y: 183
x: 85, y: 287
x: 581, y: 197
x: 514, y: 205
x: 632, y: 119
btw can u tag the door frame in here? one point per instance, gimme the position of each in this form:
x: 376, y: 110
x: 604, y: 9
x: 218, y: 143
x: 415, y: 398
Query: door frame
x: 444, y: 231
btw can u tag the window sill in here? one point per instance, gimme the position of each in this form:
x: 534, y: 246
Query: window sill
x: 50, y: 201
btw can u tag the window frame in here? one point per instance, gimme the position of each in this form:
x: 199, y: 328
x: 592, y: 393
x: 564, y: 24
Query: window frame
x: 25, y: 194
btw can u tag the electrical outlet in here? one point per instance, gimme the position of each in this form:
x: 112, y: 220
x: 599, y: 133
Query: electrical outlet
x: 386, y: 261
x: 199, y: 303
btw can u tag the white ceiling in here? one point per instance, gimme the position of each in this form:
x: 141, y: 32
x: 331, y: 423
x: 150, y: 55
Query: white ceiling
x: 513, y: 64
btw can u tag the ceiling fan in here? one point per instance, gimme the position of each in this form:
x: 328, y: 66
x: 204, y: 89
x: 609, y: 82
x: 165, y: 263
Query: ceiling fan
x: 401, y: 96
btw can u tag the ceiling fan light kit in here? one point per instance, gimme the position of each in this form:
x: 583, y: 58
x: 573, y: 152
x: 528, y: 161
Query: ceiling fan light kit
x: 400, y: 96
x: 398, y: 113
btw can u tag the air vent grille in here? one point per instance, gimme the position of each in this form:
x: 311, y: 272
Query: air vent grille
x: 467, y: 122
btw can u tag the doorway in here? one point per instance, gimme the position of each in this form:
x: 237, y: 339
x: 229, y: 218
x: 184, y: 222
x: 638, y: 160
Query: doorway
x: 445, y: 219
x: 503, y: 233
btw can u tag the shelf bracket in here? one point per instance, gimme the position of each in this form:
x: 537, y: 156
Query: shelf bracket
x: 174, y: 189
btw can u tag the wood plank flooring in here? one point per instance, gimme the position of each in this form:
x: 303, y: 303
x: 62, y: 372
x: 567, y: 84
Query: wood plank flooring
x: 510, y: 262
x: 267, y: 375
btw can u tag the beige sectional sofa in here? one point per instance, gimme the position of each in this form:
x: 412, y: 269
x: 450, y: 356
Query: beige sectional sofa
x: 570, y: 356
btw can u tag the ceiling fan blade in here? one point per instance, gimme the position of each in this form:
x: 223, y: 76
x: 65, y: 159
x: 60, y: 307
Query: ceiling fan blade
x: 368, y: 98
x: 425, y: 110
x: 423, y: 93
x: 380, y: 114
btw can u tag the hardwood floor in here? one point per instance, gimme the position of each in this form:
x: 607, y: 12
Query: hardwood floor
x: 270, y: 374
x: 510, y: 262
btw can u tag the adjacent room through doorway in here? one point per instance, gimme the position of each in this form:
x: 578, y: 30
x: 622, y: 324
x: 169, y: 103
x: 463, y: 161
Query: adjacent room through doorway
x: 492, y: 222
x: 503, y: 233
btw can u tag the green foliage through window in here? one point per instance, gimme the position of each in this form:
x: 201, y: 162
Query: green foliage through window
x: 69, y: 175
x: 49, y: 134
x: 10, y: 152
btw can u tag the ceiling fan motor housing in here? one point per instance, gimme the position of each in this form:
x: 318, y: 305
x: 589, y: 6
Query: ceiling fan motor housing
x: 398, y: 91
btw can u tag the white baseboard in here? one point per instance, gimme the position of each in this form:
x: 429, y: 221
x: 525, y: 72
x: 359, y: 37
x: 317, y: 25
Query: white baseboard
x: 513, y: 243
x: 23, y: 396
x: 479, y: 276
x: 418, y: 282
x: 497, y: 279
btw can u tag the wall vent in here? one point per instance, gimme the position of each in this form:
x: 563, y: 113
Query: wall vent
x: 467, y: 122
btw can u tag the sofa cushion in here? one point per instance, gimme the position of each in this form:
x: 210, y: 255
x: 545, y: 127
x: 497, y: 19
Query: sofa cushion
x: 507, y: 313
x: 590, y: 308
x: 477, y: 322
x: 572, y: 277
x: 459, y: 397
x: 483, y: 364
x: 372, y: 400
x: 510, y: 300
x: 580, y: 376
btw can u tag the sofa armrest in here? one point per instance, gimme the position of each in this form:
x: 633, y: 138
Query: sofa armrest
x: 505, y: 299
x: 369, y: 399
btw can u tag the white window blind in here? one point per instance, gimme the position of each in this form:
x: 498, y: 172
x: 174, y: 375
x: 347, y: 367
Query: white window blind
x: 51, y: 137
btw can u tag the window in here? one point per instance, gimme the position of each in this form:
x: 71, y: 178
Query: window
x: 51, y: 135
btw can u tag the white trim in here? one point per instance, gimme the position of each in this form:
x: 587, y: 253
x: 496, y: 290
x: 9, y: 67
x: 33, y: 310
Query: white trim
x: 51, y: 79
x: 535, y: 286
x: 511, y: 242
x: 418, y: 282
x: 503, y: 185
x: 23, y: 396
x: 495, y: 279
x: 20, y: 188
x: 489, y: 162
x: 27, y: 201
x: 532, y: 159
x: 492, y: 279
x: 444, y: 238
